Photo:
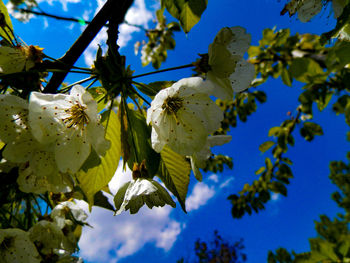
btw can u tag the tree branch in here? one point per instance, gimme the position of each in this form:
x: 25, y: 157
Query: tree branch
x: 111, y: 7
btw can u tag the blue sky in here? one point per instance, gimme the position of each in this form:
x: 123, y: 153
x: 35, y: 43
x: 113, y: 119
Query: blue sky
x: 167, y: 234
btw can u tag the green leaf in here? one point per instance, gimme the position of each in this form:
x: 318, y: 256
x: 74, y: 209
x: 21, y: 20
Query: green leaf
x: 261, y: 170
x: 98, y: 177
x: 102, y: 201
x: 188, y: 12
x: 286, y: 78
x: 5, y: 32
x: 265, y: 146
x: 310, y: 129
x: 306, y: 70
x: 274, y: 131
x: 268, y: 164
x: 153, y: 88
x: 139, y: 134
x: 174, y: 171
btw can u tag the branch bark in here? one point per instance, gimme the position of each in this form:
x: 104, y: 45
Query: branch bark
x: 115, y: 8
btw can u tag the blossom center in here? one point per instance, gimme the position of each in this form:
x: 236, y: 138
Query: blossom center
x: 78, y: 116
x: 172, y: 104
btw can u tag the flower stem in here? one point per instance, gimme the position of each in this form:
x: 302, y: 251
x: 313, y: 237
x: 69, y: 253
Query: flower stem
x: 76, y: 83
x: 163, y: 70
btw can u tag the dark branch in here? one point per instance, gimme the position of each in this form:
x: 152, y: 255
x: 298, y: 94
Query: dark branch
x: 111, y: 7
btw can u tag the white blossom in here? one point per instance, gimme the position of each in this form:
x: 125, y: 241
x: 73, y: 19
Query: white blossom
x: 61, y: 211
x: 228, y: 69
x: 71, y: 123
x: 199, y: 158
x: 17, y: 59
x: 38, y: 171
x: 16, y: 246
x: 182, y: 116
x: 133, y: 195
x: 47, y: 235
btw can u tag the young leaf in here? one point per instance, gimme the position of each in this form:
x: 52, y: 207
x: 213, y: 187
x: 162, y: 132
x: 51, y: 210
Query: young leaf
x: 5, y: 32
x: 188, y: 12
x: 98, y: 177
x: 139, y: 135
x: 265, y: 146
x: 174, y: 171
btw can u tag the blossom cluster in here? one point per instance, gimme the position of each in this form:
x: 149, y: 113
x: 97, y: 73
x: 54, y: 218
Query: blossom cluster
x: 53, y: 238
x: 50, y: 137
x: 184, y: 116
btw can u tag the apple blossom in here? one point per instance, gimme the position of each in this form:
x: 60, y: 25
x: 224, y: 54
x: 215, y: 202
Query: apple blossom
x: 71, y: 123
x: 38, y: 171
x: 182, y: 116
x: 227, y: 67
x: 16, y: 246
x: 133, y: 195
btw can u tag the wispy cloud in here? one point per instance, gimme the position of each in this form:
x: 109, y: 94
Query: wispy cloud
x: 63, y: 2
x: 125, y: 234
x: 200, y: 195
x: 116, y: 237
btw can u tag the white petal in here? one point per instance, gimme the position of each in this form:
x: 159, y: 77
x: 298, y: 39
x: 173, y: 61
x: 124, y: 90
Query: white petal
x: 20, y: 150
x: 220, y: 87
x: 157, y: 144
x: 243, y: 76
x: 46, y: 112
x: 309, y: 9
x: 240, y: 41
x: 14, y: 117
x: 218, y: 140
x: 71, y: 153
x: 96, y: 136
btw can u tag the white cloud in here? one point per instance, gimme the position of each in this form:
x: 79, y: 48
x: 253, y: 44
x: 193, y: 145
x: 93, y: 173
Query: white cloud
x: 138, y: 14
x: 214, y: 178
x: 63, y: 2
x: 275, y: 197
x: 227, y: 182
x: 116, y: 237
x: 200, y: 195
x: 125, y: 234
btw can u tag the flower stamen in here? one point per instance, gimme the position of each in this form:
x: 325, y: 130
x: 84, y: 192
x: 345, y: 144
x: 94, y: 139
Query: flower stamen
x: 78, y: 116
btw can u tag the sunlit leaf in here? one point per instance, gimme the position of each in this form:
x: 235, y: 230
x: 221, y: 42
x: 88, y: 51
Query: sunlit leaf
x: 188, y: 12
x: 139, y: 135
x: 265, y: 146
x: 98, y: 177
x: 6, y: 31
x: 175, y: 171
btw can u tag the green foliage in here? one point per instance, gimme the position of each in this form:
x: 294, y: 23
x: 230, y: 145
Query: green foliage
x: 273, y: 176
x: 333, y: 241
x: 219, y: 250
x: 141, y: 148
x: 243, y: 105
x: 6, y: 29
x: 188, y: 12
x: 216, y: 163
x: 174, y: 171
x: 310, y: 129
x: 96, y: 178
x: 160, y: 40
